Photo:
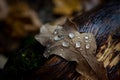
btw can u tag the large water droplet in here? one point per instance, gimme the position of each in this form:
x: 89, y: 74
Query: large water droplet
x: 57, y: 38
x: 71, y: 35
x: 65, y: 44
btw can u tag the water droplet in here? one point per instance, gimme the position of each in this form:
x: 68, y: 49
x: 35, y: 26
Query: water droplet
x: 87, y: 46
x: 65, y: 44
x: 57, y: 29
x: 60, y: 54
x: 86, y: 41
x: 57, y: 38
x: 71, y: 35
x: 86, y: 37
x: 81, y: 49
x: 55, y: 32
x: 77, y: 44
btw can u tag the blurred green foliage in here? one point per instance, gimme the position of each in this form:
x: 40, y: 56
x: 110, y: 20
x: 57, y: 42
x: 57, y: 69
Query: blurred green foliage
x: 24, y: 62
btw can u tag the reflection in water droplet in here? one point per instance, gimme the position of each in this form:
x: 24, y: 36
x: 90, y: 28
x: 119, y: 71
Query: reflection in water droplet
x: 65, y: 44
x: 77, y: 44
x: 71, y: 35
x: 87, y: 46
x: 86, y: 37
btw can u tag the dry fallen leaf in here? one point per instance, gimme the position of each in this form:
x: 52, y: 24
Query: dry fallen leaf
x: 22, y: 20
x: 66, y: 7
x: 87, y: 64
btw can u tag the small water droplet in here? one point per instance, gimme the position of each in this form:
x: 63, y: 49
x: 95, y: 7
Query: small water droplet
x: 60, y: 54
x: 57, y: 29
x: 86, y: 37
x: 71, y: 35
x: 86, y: 41
x: 77, y: 44
x: 65, y: 44
x: 87, y: 46
x: 55, y: 32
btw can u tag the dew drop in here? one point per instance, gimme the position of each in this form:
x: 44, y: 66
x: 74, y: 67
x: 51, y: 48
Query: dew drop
x: 60, y: 54
x: 87, y: 46
x: 65, y: 44
x: 77, y: 44
x: 57, y: 38
x: 55, y: 32
x: 86, y: 41
x: 71, y: 35
x: 86, y: 37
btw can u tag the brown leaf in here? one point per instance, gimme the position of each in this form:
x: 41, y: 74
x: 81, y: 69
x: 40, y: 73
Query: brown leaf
x: 22, y: 20
x: 66, y: 7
